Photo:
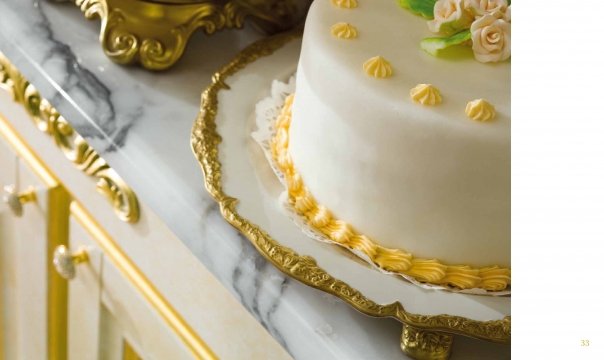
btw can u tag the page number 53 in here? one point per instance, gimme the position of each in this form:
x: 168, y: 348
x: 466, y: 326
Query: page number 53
x: 584, y: 342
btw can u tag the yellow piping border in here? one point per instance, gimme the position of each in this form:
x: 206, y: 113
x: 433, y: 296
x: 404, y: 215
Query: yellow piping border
x: 490, y: 278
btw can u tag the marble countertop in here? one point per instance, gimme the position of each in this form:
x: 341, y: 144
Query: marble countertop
x: 140, y: 122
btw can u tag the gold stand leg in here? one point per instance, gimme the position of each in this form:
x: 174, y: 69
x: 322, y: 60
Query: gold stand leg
x: 154, y: 34
x: 426, y: 345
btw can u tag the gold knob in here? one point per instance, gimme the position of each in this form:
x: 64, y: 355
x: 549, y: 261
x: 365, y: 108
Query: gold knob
x: 15, y: 200
x: 65, y: 261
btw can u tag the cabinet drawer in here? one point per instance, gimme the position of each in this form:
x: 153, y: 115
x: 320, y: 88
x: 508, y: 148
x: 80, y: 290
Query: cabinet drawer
x: 108, y: 317
x: 30, y: 224
x: 8, y: 252
x: 83, y: 315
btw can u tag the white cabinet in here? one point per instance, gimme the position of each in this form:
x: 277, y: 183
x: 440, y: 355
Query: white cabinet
x: 100, y: 313
x: 83, y: 312
x: 8, y: 251
x: 29, y: 226
x: 30, y: 244
x: 108, y: 318
x: 129, y: 319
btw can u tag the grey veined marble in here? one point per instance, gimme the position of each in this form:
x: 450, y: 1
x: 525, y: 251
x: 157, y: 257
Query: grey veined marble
x: 140, y: 122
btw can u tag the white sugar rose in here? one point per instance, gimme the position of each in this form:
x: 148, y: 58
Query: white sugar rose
x: 491, y: 39
x: 479, y: 8
x: 450, y: 16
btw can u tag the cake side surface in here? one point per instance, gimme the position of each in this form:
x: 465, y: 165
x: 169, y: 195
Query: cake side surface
x: 426, y: 179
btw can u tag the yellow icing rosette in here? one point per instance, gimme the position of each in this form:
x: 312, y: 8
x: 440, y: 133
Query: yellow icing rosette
x: 344, y: 30
x: 480, y: 110
x: 426, y: 94
x: 345, y: 4
x: 378, y: 67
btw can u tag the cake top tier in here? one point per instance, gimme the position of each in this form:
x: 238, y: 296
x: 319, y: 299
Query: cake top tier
x: 375, y: 47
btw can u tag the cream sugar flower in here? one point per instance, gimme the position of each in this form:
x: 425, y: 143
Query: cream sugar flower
x: 491, y: 39
x: 479, y: 8
x: 450, y: 16
x: 508, y: 14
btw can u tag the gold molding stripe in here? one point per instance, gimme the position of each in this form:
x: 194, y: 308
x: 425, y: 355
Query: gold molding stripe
x: 48, y: 120
x: 205, y: 142
x: 155, y: 34
x: 197, y: 346
x: 57, y: 234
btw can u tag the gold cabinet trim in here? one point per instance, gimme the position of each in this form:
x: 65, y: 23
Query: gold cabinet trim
x: 48, y: 120
x: 58, y: 233
x: 155, y: 34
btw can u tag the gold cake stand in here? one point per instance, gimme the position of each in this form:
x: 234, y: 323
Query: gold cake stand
x: 423, y: 336
x: 154, y: 33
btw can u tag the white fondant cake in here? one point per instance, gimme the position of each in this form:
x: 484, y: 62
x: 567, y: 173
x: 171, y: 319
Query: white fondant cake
x: 426, y: 179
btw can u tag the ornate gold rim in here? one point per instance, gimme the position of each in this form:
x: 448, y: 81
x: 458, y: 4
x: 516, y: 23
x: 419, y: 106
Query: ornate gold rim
x: 205, y: 140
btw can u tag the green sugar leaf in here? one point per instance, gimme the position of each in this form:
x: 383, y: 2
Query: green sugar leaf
x: 433, y: 45
x: 423, y: 8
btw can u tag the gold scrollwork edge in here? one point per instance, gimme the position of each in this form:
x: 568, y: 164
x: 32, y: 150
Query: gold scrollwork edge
x: 204, y: 142
x: 155, y: 34
x: 48, y: 120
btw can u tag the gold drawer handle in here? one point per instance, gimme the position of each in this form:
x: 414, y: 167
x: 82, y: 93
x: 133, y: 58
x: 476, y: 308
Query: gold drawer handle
x: 15, y: 200
x: 65, y: 261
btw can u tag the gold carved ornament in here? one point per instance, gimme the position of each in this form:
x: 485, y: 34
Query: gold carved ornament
x: 155, y: 33
x: 48, y: 120
x: 205, y: 141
